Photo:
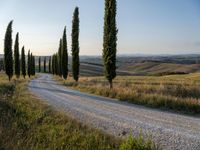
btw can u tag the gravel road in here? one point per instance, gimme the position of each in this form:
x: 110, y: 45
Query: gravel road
x: 170, y: 131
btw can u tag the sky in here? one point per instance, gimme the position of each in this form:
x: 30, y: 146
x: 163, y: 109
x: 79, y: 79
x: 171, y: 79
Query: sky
x: 145, y: 26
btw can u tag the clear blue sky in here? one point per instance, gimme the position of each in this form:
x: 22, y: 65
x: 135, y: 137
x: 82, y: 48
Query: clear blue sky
x: 145, y: 26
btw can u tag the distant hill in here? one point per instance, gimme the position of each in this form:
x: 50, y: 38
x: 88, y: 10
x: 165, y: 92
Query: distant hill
x: 138, y: 65
x: 146, y: 65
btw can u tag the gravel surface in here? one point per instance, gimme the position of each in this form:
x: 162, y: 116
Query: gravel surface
x: 170, y: 131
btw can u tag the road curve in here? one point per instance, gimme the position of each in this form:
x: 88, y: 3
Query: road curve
x: 170, y: 131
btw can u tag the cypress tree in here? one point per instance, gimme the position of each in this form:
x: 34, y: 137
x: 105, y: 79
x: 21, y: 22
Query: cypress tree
x: 33, y: 65
x: 23, y: 62
x: 110, y: 41
x: 29, y: 64
x: 8, y: 58
x: 75, y: 45
x: 56, y: 64
x: 50, y: 64
x: 1, y: 65
x: 60, y: 53
x: 44, y: 64
x: 16, y: 56
x: 64, y: 55
x: 39, y: 64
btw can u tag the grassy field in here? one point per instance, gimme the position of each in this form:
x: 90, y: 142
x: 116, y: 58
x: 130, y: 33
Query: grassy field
x: 157, y: 68
x: 180, y: 93
x: 27, y: 123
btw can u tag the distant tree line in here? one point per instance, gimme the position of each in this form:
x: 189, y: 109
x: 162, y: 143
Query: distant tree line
x: 16, y: 66
x: 44, y: 65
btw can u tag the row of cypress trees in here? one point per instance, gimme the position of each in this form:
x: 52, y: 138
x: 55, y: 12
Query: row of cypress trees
x: 60, y: 59
x: 59, y: 63
x: 31, y: 64
x: 18, y: 64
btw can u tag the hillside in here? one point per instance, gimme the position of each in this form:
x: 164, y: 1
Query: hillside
x: 138, y: 65
x: 156, y: 68
x: 144, y: 65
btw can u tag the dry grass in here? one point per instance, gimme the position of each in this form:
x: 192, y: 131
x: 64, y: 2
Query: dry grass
x: 175, y: 92
x: 156, y: 68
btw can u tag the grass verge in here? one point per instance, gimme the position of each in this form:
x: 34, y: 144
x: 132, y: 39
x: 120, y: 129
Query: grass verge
x: 179, y: 93
x: 27, y: 123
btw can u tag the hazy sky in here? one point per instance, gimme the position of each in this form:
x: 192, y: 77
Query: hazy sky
x: 145, y: 26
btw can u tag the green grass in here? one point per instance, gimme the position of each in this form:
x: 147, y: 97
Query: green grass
x: 179, y: 93
x: 27, y: 123
x: 135, y: 144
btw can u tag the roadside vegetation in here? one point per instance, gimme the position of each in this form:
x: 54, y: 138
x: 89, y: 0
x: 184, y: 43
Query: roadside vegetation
x: 178, y: 93
x: 27, y: 123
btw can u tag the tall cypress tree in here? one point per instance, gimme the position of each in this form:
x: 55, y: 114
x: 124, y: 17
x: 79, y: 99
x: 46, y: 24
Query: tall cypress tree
x: 16, y: 56
x: 29, y: 64
x: 75, y: 45
x: 33, y: 65
x: 110, y: 41
x: 39, y: 64
x: 8, y: 58
x: 56, y: 64
x: 64, y: 55
x: 50, y: 64
x: 44, y: 64
x: 23, y: 62
x: 60, y: 54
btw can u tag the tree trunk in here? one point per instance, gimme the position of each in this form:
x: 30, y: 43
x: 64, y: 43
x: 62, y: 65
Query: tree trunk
x: 111, y: 84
